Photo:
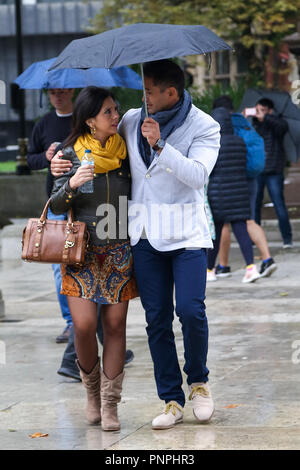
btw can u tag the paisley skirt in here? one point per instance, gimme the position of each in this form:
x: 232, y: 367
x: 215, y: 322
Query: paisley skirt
x: 106, y: 276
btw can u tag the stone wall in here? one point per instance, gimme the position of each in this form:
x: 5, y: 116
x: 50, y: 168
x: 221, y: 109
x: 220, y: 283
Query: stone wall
x: 22, y: 196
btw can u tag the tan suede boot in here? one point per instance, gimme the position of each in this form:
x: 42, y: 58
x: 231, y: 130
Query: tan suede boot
x: 110, y: 397
x: 91, y: 382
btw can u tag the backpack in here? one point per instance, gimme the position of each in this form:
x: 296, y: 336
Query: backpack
x: 254, y: 143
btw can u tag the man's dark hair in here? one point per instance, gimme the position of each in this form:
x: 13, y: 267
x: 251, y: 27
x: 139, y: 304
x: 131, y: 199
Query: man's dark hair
x: 165, y: 74
x: 266, y: 102
x: 223, y: 101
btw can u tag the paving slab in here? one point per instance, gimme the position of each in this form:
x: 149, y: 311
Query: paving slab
x: 254, y: 362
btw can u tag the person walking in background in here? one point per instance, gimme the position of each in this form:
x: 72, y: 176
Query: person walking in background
x: 255, y: 165
x: 47, y: 133
x: 106, y: 276
x: 228, y: 195
x: 272, y: 128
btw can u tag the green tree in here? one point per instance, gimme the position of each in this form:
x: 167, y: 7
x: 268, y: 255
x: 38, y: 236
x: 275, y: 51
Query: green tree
x: 256, y: 25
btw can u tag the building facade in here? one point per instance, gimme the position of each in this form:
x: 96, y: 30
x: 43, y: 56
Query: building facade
x: 47, y: 27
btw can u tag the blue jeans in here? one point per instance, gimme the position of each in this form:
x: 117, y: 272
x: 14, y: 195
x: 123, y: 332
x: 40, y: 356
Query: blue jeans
x: 62, y: 299
x: 156, y: 273
x: 274, y: 185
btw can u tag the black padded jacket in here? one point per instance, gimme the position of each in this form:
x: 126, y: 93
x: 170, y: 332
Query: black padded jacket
x: 227, y: 188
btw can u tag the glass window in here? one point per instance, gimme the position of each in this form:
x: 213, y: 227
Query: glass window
x: 222, y: 63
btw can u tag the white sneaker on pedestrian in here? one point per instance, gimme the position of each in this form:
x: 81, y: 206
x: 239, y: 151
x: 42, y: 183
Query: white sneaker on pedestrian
x: 251, y: 274
x: 203, y: 405
x: 173, y: 414
x: 211, y: 275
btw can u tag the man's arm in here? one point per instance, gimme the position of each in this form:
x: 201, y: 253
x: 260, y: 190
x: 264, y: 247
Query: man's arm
x: 202, y: 154
x: 277, y: 124
x: 38, y: 157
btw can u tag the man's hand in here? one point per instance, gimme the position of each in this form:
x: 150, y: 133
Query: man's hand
x: 50, y: 151
x: 59, y: 166
x: 150, y: 130
x: 83, y: 174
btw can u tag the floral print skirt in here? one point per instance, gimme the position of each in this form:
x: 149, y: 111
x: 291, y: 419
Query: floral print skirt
x: 106, y: 277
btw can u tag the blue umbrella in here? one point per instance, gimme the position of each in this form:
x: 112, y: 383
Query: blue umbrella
x: 37, y: 76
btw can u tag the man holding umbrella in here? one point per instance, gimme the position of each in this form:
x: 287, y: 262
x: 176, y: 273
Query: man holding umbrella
x: 272, y: 128
x: 171, y: 156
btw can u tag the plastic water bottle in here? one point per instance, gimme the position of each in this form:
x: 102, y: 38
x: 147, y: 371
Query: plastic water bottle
x: 87, y: 159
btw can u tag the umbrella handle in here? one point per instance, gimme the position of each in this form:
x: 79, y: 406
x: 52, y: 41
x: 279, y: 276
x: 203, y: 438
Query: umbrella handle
x: 144, y: 91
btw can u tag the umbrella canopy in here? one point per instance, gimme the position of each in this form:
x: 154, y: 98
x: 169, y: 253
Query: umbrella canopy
x: 287, y: 109
x: 137, y: 43
x: 36, y: 76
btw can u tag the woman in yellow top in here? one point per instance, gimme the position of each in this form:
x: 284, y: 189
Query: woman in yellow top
x: 107, y: 274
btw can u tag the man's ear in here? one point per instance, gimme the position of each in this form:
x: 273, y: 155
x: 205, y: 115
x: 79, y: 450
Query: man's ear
x: 172, y: 92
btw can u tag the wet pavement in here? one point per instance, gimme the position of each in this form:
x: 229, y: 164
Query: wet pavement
x: 254, y: 362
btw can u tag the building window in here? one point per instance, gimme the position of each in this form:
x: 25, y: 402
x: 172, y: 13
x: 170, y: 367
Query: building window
x: 225, y: 67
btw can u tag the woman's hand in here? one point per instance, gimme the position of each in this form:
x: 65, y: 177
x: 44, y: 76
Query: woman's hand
x: 83, y: 174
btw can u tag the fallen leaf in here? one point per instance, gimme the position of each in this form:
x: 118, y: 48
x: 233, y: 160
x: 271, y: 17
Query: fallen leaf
x: 231, y: 406
x: 38, y: 434
x: 283, y: 294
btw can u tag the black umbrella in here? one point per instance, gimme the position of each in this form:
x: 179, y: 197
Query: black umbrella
x: 138, y: 43
x: 287, y: 109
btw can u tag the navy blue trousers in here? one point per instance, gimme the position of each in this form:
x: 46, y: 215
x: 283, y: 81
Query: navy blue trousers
x: 157, y: 273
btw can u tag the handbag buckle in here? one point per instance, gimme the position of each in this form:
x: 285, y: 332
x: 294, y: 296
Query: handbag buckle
x: 69, y: 244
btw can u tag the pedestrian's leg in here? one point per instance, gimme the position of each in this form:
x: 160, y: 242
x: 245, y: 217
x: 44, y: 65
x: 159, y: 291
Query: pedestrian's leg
x: 276, y: 192
x: 68, y: 365
x: 153, y: 270
x: 259, y: 197
x: 189, y: 270
x: 224, y: 245
x: 213, y: 253
x: 114, y: 343
x: 84, y: 314
x: 240, y: 231
x: 114, y: 338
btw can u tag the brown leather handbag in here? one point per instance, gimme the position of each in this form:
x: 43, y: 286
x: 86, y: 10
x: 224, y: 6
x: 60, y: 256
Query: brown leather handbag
x: 54, y: 241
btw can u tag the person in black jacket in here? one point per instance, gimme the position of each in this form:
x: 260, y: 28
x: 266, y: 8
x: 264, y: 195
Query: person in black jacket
x: 272, y: 128
x: 228, y: 195
x: 48, y: 132
x: 106, y: 277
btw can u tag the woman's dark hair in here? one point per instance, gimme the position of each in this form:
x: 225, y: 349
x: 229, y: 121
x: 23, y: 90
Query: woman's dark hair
x: 87, y: 105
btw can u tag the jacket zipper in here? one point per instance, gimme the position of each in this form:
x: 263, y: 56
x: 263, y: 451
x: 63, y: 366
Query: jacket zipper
x: 107, y: 201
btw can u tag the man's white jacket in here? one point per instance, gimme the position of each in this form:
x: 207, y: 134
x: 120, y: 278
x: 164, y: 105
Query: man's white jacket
x: 167, y: 200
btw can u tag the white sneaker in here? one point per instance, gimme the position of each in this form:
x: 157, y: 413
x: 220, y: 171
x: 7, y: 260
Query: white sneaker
x: 211, y: 275
x: 203, y: 405
x: 251, y: 274
x: 173, y: 414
